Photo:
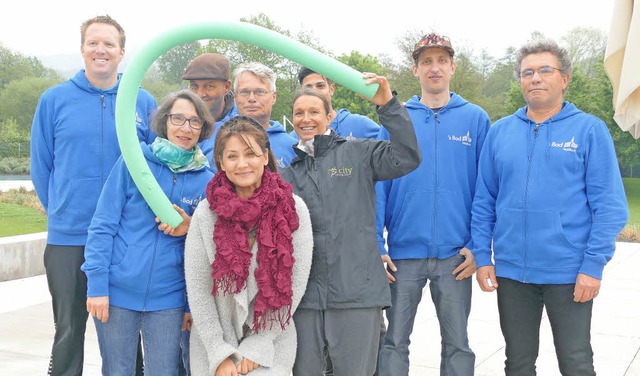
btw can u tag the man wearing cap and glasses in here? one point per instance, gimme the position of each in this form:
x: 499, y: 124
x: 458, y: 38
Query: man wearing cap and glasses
x: 549, y: 204
x: 209, y: 77
x: 427, y: 214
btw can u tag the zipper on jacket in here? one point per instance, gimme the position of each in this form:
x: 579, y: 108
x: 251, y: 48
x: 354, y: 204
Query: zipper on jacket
x: 434, y: 214
x: 526, y: 197
x: 153, y: 262
x: 102, y: 177
x: 155, y: 250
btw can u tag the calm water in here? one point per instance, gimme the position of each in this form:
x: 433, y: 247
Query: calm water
x: 15, y: 177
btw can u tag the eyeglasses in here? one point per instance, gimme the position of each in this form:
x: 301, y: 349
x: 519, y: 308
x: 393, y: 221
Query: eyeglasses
x: 179, y: 120
x: 258, y: 93
x: 544, y: 71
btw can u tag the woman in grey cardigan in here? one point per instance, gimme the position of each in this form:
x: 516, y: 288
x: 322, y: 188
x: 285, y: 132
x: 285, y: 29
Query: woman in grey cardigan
x: 247, y: 260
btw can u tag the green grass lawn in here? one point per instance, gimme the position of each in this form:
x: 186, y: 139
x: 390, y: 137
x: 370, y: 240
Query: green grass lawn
x: 632, y: 188
x: 18, y: 220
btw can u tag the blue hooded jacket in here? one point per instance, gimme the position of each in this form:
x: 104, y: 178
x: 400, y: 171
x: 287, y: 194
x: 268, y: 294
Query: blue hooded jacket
x: 207, y: 144
x: 73, y: 148
x: 281, y: 144
x: 126, y: 257
x: 427, y: 212
x: 549, y: 196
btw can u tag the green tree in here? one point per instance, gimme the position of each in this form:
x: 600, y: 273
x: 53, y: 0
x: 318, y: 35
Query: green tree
x: 467, y: 80
x: 19, y: 99
x: 497, y: 86
x: 400, y: 74
x: 586, y: 46
x: 15, y: 66
x: 14, y: 141
x: 172, y: 63
x: 344, y: 97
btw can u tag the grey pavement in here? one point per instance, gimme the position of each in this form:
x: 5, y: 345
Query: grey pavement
x: 26, y: 328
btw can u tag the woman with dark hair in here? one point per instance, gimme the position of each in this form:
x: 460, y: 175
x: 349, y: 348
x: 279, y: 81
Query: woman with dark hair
x: 247, y: 260
x: 340, y: 312
x: 135, y: 273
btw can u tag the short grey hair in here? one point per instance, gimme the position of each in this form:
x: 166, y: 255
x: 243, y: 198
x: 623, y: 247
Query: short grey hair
x: 541, y: 46
x: 263, y: 72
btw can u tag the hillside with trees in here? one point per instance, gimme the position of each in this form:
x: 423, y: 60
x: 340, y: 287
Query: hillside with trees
x: 480, y: 78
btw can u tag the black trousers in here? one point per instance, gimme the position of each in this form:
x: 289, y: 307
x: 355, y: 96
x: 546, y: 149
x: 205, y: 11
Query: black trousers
x: 68, y: 288
x: 520, y: 306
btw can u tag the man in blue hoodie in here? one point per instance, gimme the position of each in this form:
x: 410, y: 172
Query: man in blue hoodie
x: 427, y: 215
x: 550, y: 198
x: 255, y: 90
x: 73, y: 148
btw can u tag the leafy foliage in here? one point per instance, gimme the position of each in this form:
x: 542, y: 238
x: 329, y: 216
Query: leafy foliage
x: 480, y: 78
x: 15, y: 66
x: 19, y: 99
x: 172, y: 63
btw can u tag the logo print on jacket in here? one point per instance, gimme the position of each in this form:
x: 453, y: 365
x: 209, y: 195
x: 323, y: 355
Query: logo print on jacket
x: 464, y: 140
x: 340, y: 171
x: 570, y: 146
x: 193, y: 202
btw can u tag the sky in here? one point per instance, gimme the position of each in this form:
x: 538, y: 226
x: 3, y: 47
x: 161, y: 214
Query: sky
x: 44, y: 28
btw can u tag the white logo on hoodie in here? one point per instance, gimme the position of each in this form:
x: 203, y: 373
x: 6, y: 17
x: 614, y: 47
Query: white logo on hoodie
x: 569, y: 146
x: 464, y: 140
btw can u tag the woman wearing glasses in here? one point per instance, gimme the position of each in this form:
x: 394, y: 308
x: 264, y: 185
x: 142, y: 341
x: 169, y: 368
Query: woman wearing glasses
x: 135, y: 273
x: 247, y: 260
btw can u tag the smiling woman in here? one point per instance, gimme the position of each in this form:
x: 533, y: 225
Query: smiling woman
x: 246, y: 281
x: 124, y: 249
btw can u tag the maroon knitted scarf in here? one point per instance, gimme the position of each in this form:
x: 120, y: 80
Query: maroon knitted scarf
x: 272, y: 213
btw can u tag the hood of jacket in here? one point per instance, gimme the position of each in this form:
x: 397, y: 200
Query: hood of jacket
x: 454, y: 101
x: 81, y: 81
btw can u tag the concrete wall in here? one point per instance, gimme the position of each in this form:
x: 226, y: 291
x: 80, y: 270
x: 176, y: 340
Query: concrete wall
x: 22, y: 256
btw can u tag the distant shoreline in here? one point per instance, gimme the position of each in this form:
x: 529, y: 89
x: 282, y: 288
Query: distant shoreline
x: 15, y: 177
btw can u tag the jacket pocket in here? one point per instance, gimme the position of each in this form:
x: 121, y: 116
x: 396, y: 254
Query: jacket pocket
x: 78, y: 202
x: 414, y: 220
x: 508, y: 236
x: 131, y: 266
x: 548, y: 246
x: 533, y: 239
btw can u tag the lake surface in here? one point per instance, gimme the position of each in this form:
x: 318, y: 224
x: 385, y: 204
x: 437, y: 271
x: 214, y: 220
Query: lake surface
x: 15, y: 177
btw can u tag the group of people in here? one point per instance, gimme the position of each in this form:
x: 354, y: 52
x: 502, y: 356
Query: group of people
x: 307, y: 253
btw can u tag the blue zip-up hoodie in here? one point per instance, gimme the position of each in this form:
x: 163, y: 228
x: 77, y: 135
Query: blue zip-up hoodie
x: 73, y: 148
x: 126, y: 257
x: 207, y: 144
x: 549, y: 196
x: 281, y: 144
x: 427, y: 212
x: 351, y: 126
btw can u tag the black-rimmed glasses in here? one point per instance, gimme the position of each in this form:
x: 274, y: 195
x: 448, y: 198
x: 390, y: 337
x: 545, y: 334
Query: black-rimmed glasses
x: 179, y: 120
